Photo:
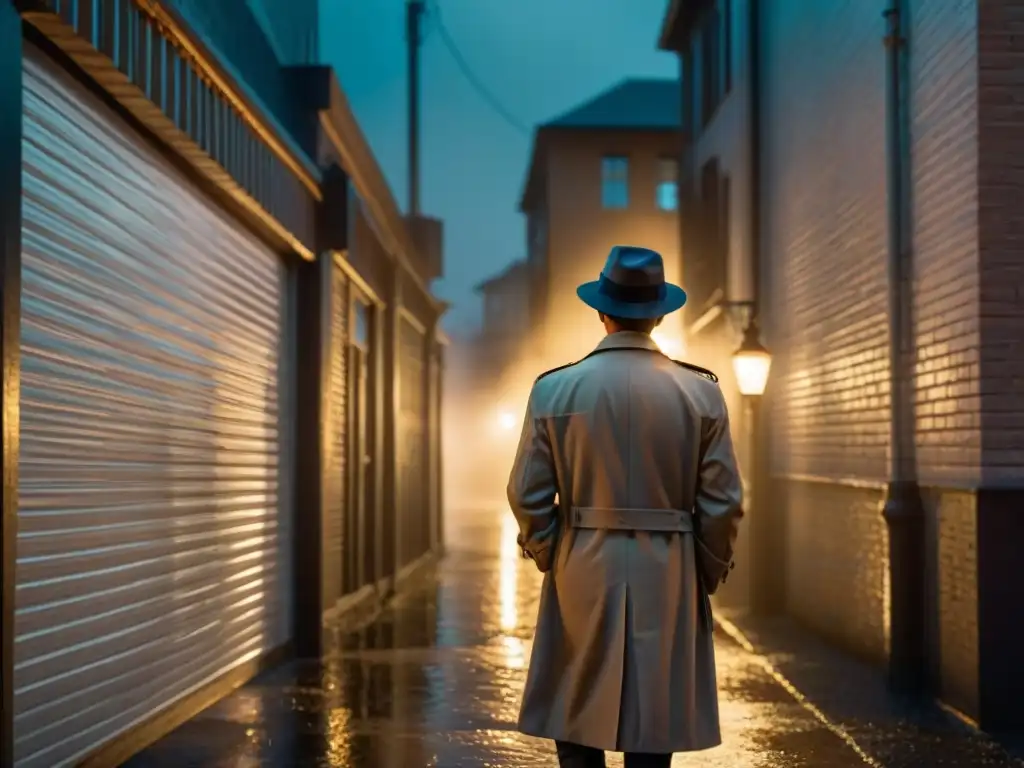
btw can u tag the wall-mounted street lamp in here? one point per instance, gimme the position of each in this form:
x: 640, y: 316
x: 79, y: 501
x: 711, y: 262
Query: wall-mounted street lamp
x: 751, y: 362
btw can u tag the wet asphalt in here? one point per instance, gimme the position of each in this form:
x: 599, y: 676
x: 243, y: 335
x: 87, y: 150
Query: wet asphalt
x: 435, y: 680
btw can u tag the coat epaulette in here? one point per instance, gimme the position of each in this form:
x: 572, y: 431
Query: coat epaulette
x: 698, y: 370
x: 555, y: 370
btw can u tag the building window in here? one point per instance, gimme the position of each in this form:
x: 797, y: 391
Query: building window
x: 667, y: 191
x: 614, y: 182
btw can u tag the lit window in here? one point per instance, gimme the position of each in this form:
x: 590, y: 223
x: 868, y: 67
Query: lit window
x: 667, y: 191
x: 614, y: 182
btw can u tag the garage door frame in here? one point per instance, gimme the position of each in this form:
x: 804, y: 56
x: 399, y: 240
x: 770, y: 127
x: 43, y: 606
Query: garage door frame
x: 10, y: 333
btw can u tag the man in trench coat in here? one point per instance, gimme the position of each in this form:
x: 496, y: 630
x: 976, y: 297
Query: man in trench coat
x: 628, y: 497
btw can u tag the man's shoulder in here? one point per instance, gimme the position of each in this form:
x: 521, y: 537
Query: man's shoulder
x: 702, y: 372
x: 555, y: 370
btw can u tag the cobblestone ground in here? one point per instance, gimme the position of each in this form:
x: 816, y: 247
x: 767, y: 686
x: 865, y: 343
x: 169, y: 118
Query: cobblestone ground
x: 436, y: 680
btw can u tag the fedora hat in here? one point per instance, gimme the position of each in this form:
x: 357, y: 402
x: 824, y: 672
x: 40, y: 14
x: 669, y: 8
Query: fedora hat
x: 632, y: 285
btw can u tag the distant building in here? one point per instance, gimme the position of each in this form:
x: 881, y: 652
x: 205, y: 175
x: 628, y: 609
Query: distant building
x: 506, y: 307
x: 785, y: 165
x: 479, y: 364
x: 602, y: 174
x: 506, y: 300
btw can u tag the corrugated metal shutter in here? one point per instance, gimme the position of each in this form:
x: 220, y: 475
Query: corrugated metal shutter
x: 412, y: 510
x: 153, y: 545
x: 335, y: 496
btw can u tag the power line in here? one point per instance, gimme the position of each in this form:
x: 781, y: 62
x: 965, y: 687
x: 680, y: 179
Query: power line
x: 467, y: 71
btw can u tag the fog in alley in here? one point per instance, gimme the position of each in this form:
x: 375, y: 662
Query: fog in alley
x: 280, y: 276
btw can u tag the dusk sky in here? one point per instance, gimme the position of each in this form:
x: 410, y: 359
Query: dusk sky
x: 538, y: 58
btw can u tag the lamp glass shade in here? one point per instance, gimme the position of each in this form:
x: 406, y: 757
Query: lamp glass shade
x: 751, y: 367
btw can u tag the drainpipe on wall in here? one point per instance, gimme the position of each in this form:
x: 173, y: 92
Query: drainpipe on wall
x: 903, y: 510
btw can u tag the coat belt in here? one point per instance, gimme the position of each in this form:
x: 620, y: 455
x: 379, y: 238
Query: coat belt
x: 656, y: 520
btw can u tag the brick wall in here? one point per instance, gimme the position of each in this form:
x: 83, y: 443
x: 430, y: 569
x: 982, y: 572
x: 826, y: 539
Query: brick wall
x: 944, y: 161
x: 953, y: 596
x: 1001, y: 237
x: 825, y: 230
x: 825, y: 220
x: 999, y: 522
x: 825, y: 236
x: 825, y: 280
x: 837, y: 569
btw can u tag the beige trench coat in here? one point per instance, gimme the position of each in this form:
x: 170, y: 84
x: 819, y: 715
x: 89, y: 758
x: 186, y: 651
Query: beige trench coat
x: 623, y: 657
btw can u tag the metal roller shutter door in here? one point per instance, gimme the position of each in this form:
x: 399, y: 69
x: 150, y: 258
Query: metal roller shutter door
x: 153, y: 544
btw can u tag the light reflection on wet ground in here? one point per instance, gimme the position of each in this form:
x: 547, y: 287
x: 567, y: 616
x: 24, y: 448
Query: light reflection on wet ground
x: 436, y: 682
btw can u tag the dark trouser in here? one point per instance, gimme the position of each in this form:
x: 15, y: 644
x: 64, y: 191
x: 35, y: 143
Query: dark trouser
x: 575, y: 756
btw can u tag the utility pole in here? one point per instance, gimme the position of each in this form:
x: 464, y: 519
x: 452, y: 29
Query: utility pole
x: 413, y: 13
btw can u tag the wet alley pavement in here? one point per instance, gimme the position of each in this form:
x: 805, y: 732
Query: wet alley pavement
x: 436, y: 679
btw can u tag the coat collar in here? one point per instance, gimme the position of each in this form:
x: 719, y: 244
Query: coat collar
x: 627, y: 340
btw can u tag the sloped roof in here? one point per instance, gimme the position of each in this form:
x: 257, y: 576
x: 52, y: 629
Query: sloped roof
x: 635, y: 103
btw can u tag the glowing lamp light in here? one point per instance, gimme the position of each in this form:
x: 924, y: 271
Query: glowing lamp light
x: 751, y: 363
x: 669, y: 344
x: 507, y: 420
